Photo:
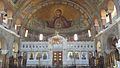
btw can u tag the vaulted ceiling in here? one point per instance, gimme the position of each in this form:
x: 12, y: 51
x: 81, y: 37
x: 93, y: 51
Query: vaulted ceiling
x: 35, y: 15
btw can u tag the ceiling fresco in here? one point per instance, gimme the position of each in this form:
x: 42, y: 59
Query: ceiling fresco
x: 65, y: 16
x: 71, y: 19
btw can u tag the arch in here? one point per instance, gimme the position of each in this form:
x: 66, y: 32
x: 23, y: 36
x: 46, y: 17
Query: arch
x: 113, y: 56
x: 114, y: 13
x: 31, y: 56
x: 70, y: 55
x: 9, y: 14
x: 96, y: 22
x: 44, y: 55
x: 43, y: 4
x: 38, y: 56
x: 3, y: 42
x: 103, y: 14
x: 98, y: 46
x: 25, y: 55
x: 18, y: 22
x: 110, y: 6
x: 1, y: 6
x: 111, y: 41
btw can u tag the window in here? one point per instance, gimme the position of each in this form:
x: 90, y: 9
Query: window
x: 41, y: 37
x: 75, y: 37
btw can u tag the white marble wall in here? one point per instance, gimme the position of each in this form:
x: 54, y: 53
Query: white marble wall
x: 8, y: 38
x: 81, y: 47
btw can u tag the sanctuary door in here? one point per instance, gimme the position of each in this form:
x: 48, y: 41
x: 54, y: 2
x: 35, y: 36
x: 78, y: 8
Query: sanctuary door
x: 57, y: 58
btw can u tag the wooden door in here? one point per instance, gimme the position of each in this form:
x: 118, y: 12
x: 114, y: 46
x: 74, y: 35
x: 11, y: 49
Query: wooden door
x: 57, y: 58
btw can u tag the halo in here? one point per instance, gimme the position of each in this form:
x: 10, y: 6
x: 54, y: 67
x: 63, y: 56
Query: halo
x: 58, y: 9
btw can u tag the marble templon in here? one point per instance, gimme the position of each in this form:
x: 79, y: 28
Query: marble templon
x: 57, y: 51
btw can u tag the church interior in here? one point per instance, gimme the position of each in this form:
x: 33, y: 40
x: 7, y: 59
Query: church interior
x: 59, y: 33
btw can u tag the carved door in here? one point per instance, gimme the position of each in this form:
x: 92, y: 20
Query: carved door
x: 57, y: 58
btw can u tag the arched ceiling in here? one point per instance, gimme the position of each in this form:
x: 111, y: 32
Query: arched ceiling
x: 48, y: 12
x: 36, y: 14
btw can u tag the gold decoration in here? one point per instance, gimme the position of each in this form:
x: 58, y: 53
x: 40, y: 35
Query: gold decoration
x: 56, y: 39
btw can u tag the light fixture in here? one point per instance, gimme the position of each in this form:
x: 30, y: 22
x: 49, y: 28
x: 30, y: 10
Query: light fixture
x: 15, y: 27
x: 13, y: 49
x: 89, y: 33
x: 75, y: 37
x: 41, y: 37
x: 26, y: 33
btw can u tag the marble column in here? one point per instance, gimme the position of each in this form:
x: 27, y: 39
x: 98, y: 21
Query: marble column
x: 51, y: 58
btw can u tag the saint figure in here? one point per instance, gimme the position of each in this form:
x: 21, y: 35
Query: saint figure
x: 58, y: 21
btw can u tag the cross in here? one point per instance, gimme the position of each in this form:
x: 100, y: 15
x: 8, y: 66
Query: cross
x: 56, y: 32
